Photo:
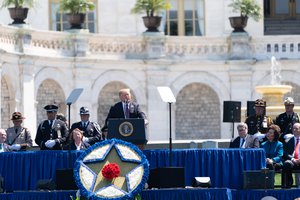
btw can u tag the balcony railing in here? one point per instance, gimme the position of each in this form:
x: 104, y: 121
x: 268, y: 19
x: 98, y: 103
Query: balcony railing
x: 82, y: 44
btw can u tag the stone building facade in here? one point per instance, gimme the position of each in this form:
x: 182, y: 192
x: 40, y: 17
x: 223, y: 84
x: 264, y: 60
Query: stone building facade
x: 39, y: 66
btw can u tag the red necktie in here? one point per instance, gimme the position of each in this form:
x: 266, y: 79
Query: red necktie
x: 296, y: 155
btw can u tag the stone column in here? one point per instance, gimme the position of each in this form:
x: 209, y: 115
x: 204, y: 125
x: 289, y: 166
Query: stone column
x: 239, y: 46
x: 154, y: 44
x: 158, y: 111
x: 28, y: 99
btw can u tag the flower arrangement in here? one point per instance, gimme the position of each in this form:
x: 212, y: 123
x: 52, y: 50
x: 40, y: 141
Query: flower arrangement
x: 98, y: 176
x: 246, y: 8
x: 150, y: 7
x: 110, y: 171
x: 18, y: 3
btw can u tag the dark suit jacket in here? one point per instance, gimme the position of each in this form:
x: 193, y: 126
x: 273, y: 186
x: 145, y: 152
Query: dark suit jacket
x: 5, y: 147
x: 250, y: 142
x: 117, y: 111
x: 45, y: 132
x: 92, y: 131
x: 288, y: 149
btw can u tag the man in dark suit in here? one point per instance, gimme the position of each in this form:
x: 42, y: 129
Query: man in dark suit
x: 51, y: 133
x: 91, y: 130
x: 291, y: 157
x: 124, y: 109
x: 3, y: 146
x: 244, y: 140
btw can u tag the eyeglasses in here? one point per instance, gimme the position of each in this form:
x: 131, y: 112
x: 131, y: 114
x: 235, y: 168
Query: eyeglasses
x: 296, y: 129
x: 239, y: 130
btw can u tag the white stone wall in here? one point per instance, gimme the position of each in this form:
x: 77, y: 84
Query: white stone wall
x: 114, y: 17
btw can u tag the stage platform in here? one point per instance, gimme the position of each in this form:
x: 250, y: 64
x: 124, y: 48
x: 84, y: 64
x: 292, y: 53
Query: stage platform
x: 225, y: 167
x: 168, y: 194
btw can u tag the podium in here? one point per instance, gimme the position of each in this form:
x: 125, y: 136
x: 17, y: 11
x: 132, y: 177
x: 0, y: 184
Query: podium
x: 130, y: 130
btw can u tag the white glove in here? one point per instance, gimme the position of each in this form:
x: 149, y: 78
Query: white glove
x: 85, y: 140
x: 50, y: 143
x: 260, y: 136
x: 288, y: 136
x: 15, y: 147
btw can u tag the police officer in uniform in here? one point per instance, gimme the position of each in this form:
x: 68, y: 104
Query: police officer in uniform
x: 18, y: 137
x: 258, y: 123
x: 287, y: 119
x: 92, y: 131
x: 51, y: 133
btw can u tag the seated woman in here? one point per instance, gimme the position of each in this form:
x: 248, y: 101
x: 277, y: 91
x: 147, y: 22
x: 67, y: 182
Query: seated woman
x: 273, y: 148
x: 75, y: 141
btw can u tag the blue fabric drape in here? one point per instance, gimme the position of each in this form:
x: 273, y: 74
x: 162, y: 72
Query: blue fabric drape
x: 225, y: 167
x: 187, y: 194
x: 22, y: 170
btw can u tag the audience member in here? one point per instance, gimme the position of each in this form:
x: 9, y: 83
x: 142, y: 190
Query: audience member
x: 244, y: 140
x: 286, y: 120
x: 3, y: 145
x: 51, y: 133
x: 124, y: 109
x: 75, y: 140
x: 273, y: 148
x: 259, y: 122
x: 291, y: 157
x: 18, y: 137
x: 91, y: 130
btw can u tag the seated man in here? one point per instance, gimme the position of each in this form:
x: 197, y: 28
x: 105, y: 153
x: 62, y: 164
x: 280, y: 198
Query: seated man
x: 3, y: 145
x: 291, y: 157
x: 244, y: 140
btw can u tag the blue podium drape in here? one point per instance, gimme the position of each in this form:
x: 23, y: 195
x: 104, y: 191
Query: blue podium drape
x: 289, y: 194
x: 225, y: 167
x: 22, y: 170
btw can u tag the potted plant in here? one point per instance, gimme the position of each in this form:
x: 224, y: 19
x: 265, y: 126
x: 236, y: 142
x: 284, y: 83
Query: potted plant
x: 151, y: 8
x: 18, y: 9
x: 76, y: 11
x: 246, y: 8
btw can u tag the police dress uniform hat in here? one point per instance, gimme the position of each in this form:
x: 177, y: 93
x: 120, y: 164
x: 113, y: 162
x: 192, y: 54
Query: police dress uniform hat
x: 289, y: 101
x: 260, y: 103
x: 51, y: 108
x: 17, y: 116
x: 84, y: 111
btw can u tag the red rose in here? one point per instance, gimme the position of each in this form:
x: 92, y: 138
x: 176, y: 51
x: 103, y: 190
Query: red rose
x: 110, y: 171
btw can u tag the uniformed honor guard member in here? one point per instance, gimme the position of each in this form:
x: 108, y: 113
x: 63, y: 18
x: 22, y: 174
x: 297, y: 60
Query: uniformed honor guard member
x: 18, y: 137
x: 92, y: 131
x: 287, y: 119
x: 51, y: 133
x: 258, y: 124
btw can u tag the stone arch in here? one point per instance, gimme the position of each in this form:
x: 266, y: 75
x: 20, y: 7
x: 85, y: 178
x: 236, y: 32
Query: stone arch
x: 108, y: 97
x: 49, y: 91
x: 208, y: 83
x: 197, y: 113
x: 56, y: 75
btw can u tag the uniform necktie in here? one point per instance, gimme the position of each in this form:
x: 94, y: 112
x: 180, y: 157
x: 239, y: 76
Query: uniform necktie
x: 50, y: 123
x: 126, y: 111
x: 16, y: 130
x: 243, y: 141
x: 296, y: 155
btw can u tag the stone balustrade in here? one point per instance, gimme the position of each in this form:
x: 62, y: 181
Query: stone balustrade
x: 83, y: 44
